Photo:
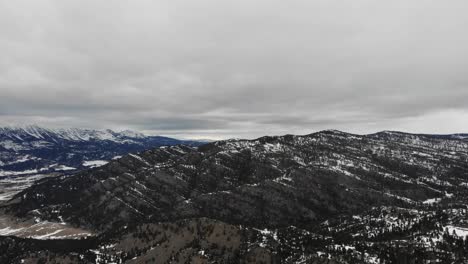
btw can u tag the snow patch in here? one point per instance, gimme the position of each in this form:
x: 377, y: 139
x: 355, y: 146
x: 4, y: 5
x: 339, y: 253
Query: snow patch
x: 95, y: 163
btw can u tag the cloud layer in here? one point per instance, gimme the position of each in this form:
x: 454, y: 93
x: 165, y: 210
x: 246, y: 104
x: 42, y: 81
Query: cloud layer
x: 241, y: 68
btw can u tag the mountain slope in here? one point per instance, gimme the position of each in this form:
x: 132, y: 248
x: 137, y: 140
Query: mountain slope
x: 271, y: 181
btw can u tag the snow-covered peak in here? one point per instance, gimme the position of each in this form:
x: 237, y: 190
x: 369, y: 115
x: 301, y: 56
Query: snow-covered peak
x: 74, y: 134
x: 132, y: 134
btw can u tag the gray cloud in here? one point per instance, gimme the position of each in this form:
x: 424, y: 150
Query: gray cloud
x: 241, y: 68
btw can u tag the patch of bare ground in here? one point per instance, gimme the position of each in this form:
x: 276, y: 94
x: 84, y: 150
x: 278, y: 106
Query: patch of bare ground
x: 10, y: 226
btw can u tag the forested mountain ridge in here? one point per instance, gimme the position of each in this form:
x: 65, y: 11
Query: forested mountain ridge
x: 386, y: 197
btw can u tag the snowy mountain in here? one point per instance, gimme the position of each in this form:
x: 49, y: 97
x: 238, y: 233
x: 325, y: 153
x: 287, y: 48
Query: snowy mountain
x: 33, y: 149
x: 326, y: 197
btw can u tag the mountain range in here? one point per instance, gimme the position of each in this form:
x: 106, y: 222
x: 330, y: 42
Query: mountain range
x: 326, y: 197
x: 33, y: 149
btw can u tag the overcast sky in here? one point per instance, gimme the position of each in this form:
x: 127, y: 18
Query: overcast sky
x: 240, y: 68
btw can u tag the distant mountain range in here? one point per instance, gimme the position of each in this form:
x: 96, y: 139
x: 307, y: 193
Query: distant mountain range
x: 326, y: 197
x: 34, y: 149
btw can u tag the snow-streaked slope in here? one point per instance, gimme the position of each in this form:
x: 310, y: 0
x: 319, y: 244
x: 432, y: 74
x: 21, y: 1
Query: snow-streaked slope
x: 300, y: 178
